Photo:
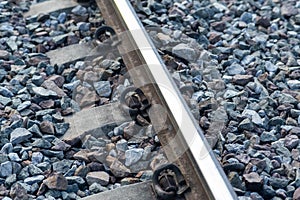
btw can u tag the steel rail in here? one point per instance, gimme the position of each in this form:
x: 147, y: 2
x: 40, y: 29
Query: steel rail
x: 182, y: 139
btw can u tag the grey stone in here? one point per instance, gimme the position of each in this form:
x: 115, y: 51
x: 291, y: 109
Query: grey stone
x: 18, y: 191
x: 118, y: 169
x: 35, y: 130
x: 19, y: 135
x: 253, y: 115
x: 248, y: 59
x: 37, y: 80
x: 96, y: 188
x: 281, y: 150
x: 23, y: 173
x: 23, y: 106
x: 270, y: 67
x: 62, y: 166
x: 276, y: 121
x: 4, y: 54
x: 79, y: 10
x: 261, y: 38
x: 97, y: 177
x: 235, y: 180
x: 132, y: 156
x: 267, y: 137
x: 233, y: 148
x: 72, y: 86
x: 34, y: 170
x: 278, y: 182
x: 62, y: 17
x: 103, y: 88
x: 6, y: 149
x: 60, y: 39
x: 40, y: 91
x: 220, y: 7
x: 14, y: 157
x: 6, y: 169
x: 228, y: 94
x: 61, y: 128
x: 11, y: 180
x: 36, y: 158
x: 11, y: 43
x: 6, y: 92
x: 34, y: 179
x: 75, y: 179
x: 83, y: 26
x: 3, y: 73
x: 122, y: 145
x: 4, y: 100
x: 293, y: 84
x: 185, y: 52
x: 242, y: 79
x: 41, y: 143
x: 247, y: 17
x: 288, y: 10
x: 235, y: 69
x: 286, y: 98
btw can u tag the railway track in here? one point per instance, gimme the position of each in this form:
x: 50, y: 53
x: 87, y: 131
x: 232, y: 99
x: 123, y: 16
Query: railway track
x: 126, y: 126
x: 181, y: 139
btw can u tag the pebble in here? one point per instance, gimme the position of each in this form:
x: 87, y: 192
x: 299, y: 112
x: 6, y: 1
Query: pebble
x: 4, y: 100
x: 36, y: 158
x: 19, y: 135
x: 47, y: 127
x: 122, y: 145
x: 267, y: 137
x: 6, y: 92
x: 253, y: 181
x: 293, y: 84
x: 6, y: 169
x: 34, y: 179
x: 132, y: 156
x: 103, y: 88
x: 56, y: 181
x: 118, y: 169
x: 278, y: 182
x: 254, y: 116
x: 4, y: 54
x: 96, y: 188
x: 242, y: 79
x: 97, y: 177
x: 185, y: 52
x: 40, y: 91
x: 23, y: 106
x: 270, y: 67
x: 14, y: 157
x: 79, y: 10
x: 235, y: 69
x: 246, y: 124
x: 17, y: 191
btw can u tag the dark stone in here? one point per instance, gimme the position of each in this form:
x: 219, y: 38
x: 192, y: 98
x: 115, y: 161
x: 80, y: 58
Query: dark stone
x: 18, y: 192
x: 253, y: 181
x: 47, y: 127
x: 278, y: 182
